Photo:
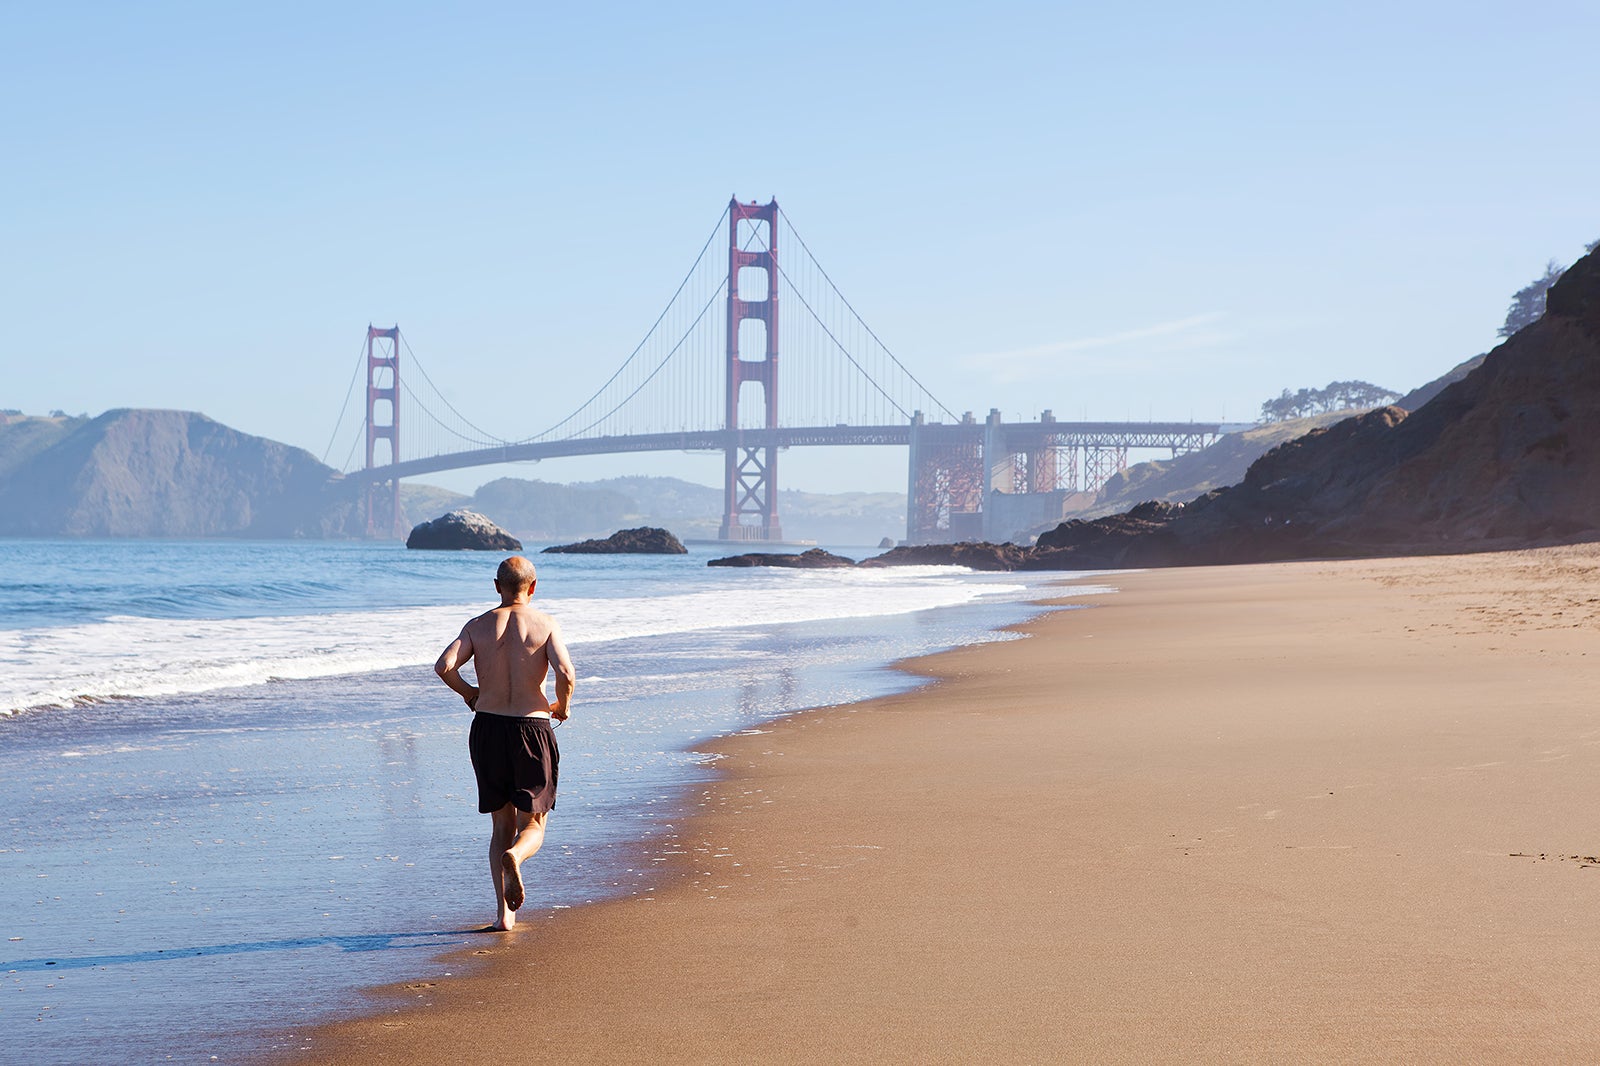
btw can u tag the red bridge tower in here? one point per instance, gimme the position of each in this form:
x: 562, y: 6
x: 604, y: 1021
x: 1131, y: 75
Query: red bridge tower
x: 383, y: 388
x: 752, y: 472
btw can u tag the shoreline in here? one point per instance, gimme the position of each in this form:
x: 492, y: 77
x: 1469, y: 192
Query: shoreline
x: 315, y: 826
x: 1341, y: 818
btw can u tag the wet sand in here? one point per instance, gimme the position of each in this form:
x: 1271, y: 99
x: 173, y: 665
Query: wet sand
x: 1299, y: 812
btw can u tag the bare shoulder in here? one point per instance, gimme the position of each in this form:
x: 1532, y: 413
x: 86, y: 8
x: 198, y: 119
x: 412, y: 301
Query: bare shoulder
x: 537, y: 618
x: 480, y: 623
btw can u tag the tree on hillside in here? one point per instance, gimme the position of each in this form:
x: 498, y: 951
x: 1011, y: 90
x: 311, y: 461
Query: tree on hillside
x: 1337, y: 396
x: 1527, y: 304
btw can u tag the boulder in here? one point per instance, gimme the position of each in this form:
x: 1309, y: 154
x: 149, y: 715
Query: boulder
x: 814, y: 559
x: 645, y: 540
x: 976, y: 555
x: 886, y: 542
x: 462, y: 531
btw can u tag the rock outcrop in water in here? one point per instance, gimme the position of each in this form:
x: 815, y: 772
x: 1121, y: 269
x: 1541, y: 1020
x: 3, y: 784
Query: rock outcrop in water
x: 645, y: 540
x: 462, y: 531
x: 978, y: 555
x: 811, y: 559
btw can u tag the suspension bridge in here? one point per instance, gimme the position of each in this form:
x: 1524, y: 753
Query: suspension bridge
x: 705, y: 378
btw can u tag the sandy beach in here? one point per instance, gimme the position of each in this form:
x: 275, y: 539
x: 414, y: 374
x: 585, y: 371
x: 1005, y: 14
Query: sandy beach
x: 1319, y: 811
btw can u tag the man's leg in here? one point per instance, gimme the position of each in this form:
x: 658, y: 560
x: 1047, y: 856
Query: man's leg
x: 502, y: 834
x: 529, y: 837
x: 516, y: 836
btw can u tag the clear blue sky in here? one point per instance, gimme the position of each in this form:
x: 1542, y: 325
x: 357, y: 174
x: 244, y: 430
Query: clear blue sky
x: 1164, y: 210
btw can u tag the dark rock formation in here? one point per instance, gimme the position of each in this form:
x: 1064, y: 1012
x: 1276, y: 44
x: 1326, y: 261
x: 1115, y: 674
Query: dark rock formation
x: 813, y: 559
x: 1098, y: 543
x: 976, y: 555
x: 645, y: 540
x: 462, y: 531
x: 886, y: 542
x: 144, y: 473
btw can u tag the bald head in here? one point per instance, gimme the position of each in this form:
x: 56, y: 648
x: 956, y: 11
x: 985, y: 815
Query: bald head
x: 515, y: 575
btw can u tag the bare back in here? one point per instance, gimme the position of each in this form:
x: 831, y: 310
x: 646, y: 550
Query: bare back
x: 513, y: 647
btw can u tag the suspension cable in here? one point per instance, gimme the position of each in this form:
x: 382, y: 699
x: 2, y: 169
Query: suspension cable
x: 664, y: 361
x: 489, y: 438
x: 795, y: 290
x: 687, y: 333
x: 354, y: 443
x: 639, y: 347
x: 859, y: 319
x: 348, y: 392
x: 484, y: 438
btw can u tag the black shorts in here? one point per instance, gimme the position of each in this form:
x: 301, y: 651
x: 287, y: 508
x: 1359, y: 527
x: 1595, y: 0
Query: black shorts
x: 515, y: 760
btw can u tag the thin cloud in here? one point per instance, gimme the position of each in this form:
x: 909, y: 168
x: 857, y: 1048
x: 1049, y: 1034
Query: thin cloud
x: 1018, y: 364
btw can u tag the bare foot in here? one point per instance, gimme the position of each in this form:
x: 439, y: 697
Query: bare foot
x: 512, y: 874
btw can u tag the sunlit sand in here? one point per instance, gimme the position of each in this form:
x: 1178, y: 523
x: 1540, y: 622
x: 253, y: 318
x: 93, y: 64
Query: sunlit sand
x: 1332, y: 811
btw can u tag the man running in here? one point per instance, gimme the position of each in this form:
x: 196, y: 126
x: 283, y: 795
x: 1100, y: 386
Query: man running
x: 512, y: 742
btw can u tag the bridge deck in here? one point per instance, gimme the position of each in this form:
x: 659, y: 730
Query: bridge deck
x: 1020, y: 435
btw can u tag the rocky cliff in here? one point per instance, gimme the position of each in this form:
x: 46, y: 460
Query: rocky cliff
x: 145, y: 473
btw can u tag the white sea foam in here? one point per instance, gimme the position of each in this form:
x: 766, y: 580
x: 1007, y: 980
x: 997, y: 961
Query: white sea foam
x: 128, y: 656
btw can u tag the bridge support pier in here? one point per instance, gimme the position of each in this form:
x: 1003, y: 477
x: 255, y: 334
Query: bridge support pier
x: 1000, y: 480
x: 944, y: 499
x: 750, y: 510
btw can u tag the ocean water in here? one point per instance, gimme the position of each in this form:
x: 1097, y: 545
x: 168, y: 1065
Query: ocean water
x: 232, y: 792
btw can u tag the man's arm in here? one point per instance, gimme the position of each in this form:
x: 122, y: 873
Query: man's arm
x: 566, y: 678
x: 449, y: 668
